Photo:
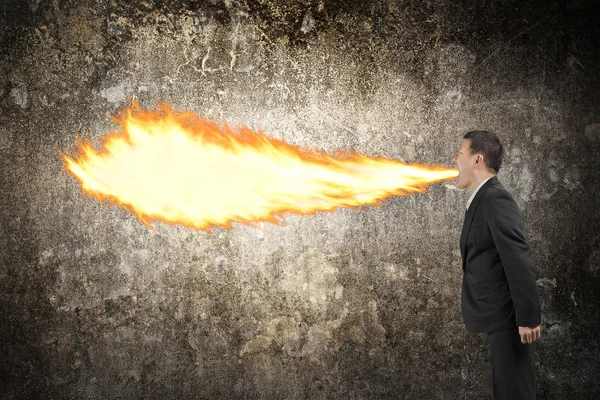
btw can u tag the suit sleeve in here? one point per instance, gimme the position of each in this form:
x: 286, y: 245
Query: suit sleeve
x: 506, y: 226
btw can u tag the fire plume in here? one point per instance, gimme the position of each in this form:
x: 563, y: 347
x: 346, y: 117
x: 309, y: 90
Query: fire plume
x: 178, y: 168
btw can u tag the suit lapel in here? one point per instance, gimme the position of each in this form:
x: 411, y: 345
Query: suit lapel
x: 470, y: 213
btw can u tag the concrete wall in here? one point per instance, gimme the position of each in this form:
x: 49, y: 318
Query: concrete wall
x: 358, y: 304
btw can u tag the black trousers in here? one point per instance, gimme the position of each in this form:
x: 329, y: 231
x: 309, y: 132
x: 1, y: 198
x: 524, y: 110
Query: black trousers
x: 512, y: 366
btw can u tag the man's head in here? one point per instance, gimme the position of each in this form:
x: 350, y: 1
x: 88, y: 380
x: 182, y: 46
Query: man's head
x: 479, y: 157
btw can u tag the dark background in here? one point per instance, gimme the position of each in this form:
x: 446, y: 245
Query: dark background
x: 357, y: 304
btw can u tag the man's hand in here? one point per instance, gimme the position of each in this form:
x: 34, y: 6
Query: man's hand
x: 529, y: 335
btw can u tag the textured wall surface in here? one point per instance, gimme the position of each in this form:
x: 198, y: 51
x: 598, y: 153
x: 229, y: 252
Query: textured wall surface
x: 356, y: 304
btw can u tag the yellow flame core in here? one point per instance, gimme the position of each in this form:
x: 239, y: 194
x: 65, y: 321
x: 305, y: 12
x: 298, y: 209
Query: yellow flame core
x: 181, y: 169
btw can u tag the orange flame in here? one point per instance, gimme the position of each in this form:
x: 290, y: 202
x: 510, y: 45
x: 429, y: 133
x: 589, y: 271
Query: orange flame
x: 178, y: 168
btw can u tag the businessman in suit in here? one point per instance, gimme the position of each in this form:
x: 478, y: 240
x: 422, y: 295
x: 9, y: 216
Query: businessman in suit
x: 499, y: 293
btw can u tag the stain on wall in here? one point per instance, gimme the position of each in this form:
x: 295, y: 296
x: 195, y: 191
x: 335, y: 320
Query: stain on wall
x: 356, y: 304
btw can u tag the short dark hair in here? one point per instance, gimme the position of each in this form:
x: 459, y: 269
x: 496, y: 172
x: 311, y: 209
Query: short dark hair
x: 487, y: 144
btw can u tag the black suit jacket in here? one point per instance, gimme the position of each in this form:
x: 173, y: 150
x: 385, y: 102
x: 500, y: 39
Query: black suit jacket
x: 499, y: 290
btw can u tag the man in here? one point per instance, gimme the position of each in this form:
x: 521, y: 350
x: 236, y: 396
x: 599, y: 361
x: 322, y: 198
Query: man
x: 499, y: 293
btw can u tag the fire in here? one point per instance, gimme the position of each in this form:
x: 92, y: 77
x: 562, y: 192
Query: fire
x: 178, y: 168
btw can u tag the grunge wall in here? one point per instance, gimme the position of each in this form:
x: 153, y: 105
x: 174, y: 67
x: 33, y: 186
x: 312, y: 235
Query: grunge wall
x: 356, y: 304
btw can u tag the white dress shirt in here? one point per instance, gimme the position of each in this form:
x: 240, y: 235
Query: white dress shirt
x: 477, y: 190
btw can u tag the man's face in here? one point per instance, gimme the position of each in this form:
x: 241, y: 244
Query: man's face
x: 465, y: 162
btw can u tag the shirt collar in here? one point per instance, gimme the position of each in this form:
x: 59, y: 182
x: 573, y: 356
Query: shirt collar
x: 477, y: 190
